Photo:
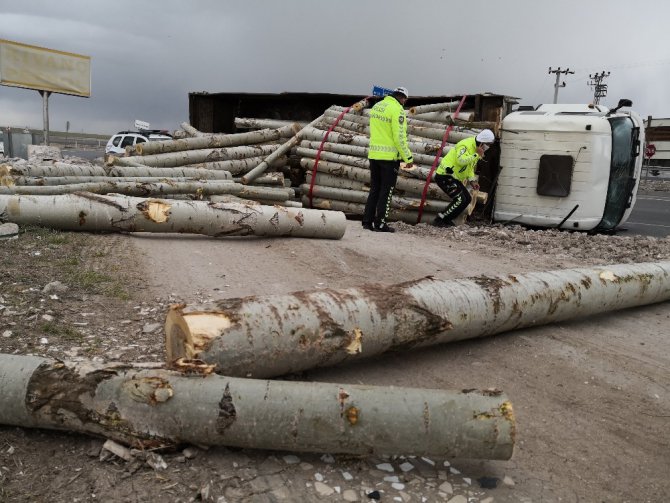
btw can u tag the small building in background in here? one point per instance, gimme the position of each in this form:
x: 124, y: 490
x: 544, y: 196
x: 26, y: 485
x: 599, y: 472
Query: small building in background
x: 658, y: 137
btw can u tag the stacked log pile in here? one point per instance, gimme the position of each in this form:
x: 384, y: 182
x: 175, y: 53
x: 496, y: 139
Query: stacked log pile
x: 342, y: 178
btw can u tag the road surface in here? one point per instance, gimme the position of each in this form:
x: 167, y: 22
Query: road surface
x: 651, y: 215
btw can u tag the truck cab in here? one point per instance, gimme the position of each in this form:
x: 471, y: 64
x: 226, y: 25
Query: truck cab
x: 569, y: 166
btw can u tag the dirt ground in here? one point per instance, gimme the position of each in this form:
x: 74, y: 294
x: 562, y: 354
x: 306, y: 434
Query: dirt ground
x: 591, y: 396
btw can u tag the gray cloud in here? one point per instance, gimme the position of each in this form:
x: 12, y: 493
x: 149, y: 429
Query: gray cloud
x: 147, y: 55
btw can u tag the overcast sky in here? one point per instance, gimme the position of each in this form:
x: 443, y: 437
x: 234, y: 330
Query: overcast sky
x: 148, y: 55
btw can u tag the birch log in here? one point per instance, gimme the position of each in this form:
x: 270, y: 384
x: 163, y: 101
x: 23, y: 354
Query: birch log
x: 433, y: 107
x: 360, y: 197
x: 283, y: 150
x: 56, y: 169
x: 92, y: 212
x: 446, y: 117
x: 146, y: 171
x: 357, y: 209
x: 273, y: 335
x: 250, y: 123
x: 356, y: 151
x: 239, y: 166
x: 187, y: 157
x: 406, y: 185
x: 69, y: 180
x: 150, y: 408
x: 191, y: 131
x: 215, y: 141
x: 314, y: 134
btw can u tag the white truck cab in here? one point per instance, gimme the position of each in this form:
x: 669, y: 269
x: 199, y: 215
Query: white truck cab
x: 569, y: 166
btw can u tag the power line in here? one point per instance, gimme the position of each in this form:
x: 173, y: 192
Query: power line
x: 558, y: 73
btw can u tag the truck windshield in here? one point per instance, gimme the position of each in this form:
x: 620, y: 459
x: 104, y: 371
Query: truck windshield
x: 625, y: 148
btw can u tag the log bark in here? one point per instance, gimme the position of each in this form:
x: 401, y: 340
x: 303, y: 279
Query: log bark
x: 357, y: 209
x: 406, y: 185
x: 433, y: 107
x: 268, y: 180
x: 215, y: 141
x: 314, y: 134
x: 251, y: 123
x: 282, y: 150
x: 56, y: 169
x: 432, y: 133
x: 360, y: 197
x: 273, y: 335
x: 69, y: 180
x: 363, y: 117
x: 149, y: 408
x: 146, y: 171
x: 239, y: 166
x: 187, y: 157
x: 191, y: 131
x: 337, y: 182
x: 92, y: 212
x: 357, y: 151
x: 446, y: 117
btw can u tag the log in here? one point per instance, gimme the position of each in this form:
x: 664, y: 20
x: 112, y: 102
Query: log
x: 69, y: 180
x: 149, y: 408
x: 92, y: 212
x: 363, y: 117
x: 187, y: 157
x: 357, y: 209
x: 251, y: 123
x: 314, y: 134
x: 266, y: 336
x: 326, y: 180
x: 433, y: 107
x: 361, y: 196
x: 57, y: 169
x: 146, y: 171
x: 446, y: 117
x: 239, y: 166
x: 215, y: 141
x: 357, y: 151
x: 406, y: 185
x: 190, y: 130
x: 432, y: 133
x: 268, y: 179
x: 282, y: 150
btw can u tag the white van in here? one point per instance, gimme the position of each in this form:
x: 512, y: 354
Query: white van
x: 569, y: 166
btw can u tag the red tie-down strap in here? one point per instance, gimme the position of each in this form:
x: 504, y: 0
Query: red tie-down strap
x: 437, y: 158
x: 323, y: 142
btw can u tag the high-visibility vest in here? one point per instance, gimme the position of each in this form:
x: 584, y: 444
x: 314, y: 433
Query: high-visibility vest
x: 388, y: 132
x: 461, y: 161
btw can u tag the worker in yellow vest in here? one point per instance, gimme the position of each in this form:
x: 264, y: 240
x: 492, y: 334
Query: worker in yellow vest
x: 388, y: 145
x: 456, y: 168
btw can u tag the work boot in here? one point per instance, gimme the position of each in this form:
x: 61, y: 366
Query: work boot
x: 441, y: 222
x: 384, y: 228
x: 368, y: 226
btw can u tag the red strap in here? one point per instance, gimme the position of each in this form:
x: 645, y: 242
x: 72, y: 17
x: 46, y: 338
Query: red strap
x: 437, y: 158
x: 318, y: 153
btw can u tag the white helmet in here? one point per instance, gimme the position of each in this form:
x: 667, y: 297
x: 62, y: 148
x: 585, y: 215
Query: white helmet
x: 485, y: 136
x: 402, y: 90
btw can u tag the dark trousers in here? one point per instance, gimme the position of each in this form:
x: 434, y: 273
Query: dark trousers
x: 383, y: 175
x: 460, y: 197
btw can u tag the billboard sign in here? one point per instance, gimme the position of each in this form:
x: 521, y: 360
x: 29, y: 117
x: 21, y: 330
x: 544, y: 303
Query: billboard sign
x: 43, y: 69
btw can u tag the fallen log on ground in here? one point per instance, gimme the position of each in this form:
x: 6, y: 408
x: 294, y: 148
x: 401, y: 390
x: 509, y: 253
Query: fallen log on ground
x: 268, y: 336
x: 238, y: 166
x: 150, y: 408
x: 93, y: 212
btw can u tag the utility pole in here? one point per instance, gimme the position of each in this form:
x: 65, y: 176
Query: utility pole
x: 599, y: 89
x: 558, y: 72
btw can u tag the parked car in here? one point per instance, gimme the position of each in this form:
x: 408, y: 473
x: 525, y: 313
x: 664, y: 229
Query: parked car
x: 117, y: 144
